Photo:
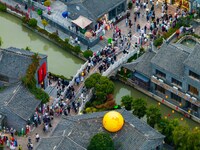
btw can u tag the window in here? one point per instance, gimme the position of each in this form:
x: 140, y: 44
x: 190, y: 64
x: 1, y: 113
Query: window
x: 120, y: 8
x: 175, y: 97
x: 174, y: 81
x: 193, y: 90
x: 112, y: 14
x: 160, y: 89
x: 161, y: 74
x: 4, y: 78
x: 194, y: 75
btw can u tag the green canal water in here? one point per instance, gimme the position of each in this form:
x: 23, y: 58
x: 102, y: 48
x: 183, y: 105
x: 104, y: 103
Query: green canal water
x: 62, y: 62
x: 15, y: 35
x: 122, y: 90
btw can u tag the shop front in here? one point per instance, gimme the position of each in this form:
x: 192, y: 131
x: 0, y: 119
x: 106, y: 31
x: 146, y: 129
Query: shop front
x: 182, y: 3
x: 114, y: 15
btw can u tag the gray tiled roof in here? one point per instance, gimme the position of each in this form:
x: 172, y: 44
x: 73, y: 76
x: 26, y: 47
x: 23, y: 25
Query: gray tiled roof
x: 170, y: 58
x: 92, y: 9
x: 49, y: 143
x: 23, y: 103
x: 79, y: 129
x: 142, y: 64
x: 14, y: 62
x: 183, y: 47
x: 6, y: 94
x: 2, y: 117
x: 16, y: 101
x: 193, y: 60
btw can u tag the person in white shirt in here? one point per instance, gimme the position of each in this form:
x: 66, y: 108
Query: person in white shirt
x: 37, y: 137
x: 157, y: 3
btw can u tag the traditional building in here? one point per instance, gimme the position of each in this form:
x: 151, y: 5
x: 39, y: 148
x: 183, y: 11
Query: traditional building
x: 75, y: 132
x: 14, y: 63
x: 190, y: 5
x: 173, y: 74
x: 95, y: 9
x: 17, y: 104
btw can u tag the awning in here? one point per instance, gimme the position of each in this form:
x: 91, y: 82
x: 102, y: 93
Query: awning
x: 141, y: 77
x: 82, y: 22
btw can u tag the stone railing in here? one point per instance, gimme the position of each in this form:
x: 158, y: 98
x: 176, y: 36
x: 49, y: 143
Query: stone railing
x: 86, y: 99
x: 122, y: 60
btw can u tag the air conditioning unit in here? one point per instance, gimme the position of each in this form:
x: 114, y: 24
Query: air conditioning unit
x: 161, y: 80
x: 187, y: 95
x: 175, y: 87
x: 154, y: 77
x: 193, y: 98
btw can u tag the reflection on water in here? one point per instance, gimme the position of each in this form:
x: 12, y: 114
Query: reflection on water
x: 13, y: 34
x: 189, y: 43
x: 122, y: 90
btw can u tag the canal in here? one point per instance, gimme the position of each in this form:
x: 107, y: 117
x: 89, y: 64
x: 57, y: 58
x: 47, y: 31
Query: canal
x: 15, y: 35
x: 62, y: 62
x: 121, y: 90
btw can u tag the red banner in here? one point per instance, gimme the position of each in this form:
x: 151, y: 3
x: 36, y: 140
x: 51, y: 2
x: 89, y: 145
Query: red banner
x: 42, y: 71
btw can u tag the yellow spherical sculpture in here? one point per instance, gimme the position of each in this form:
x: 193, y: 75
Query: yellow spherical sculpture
x: 113, y: 121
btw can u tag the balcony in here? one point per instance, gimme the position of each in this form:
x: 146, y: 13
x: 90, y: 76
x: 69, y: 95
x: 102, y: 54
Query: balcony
x: 185, y: 96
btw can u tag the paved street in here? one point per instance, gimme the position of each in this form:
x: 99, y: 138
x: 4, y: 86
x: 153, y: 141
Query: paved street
x: 142, y: 21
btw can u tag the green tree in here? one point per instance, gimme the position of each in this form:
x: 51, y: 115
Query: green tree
x: 167, y: 127
x: 127, y: 102
x: 47, y: 3
x: 87, y: 53
x: 32, y: 23
x: 180, y: 135
x: 101, y: 141
x: 193, y: 139
x: 153, y: 115
x: 91, y: 81
x: 28, y: 48
x: 139, y: 107
x: 3, y: 7
x: 45, y: 23
x: 90, y: 110
x: 102, y: 86
x: 1, y: 42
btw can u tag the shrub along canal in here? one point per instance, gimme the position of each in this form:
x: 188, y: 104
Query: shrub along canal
x: 62, y: 62
x: 121, y: 90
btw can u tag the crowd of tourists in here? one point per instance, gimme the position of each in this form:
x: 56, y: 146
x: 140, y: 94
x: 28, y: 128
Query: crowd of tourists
x: 7, y: 138
x: 155, y: 25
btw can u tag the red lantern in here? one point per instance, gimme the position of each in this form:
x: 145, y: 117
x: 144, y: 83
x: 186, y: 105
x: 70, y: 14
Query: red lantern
x: 176, y: 107
x: 169, y: 115
x: 163, y: 100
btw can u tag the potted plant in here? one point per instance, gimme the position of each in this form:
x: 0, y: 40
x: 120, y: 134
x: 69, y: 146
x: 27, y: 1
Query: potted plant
x: 130, y: 5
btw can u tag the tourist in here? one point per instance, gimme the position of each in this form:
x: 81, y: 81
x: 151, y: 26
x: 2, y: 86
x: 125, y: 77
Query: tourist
x: 37, y: 137
x: 157, y: 3
x: 19, y: 147
x: 126, y: 21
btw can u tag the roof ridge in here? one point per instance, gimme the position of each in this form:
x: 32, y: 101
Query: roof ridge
x: 75, y: 2
x: 88, y: 11
x: 75, y: 142
x: 56, y: 147
x: 14, y: 93
x: 20, y: 54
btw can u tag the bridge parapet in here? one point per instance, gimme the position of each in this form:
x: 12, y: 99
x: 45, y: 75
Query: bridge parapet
x: 122, y: 60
